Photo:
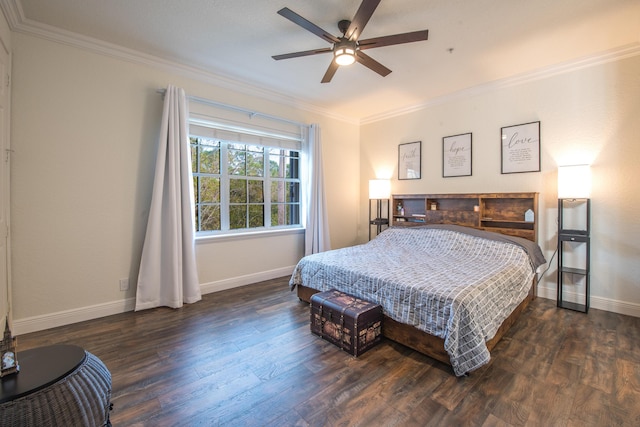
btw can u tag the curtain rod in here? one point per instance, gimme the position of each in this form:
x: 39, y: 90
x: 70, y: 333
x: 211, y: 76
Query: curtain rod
x: 251, y: 114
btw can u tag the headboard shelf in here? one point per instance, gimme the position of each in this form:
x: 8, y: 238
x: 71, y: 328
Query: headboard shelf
x: 507, y: 213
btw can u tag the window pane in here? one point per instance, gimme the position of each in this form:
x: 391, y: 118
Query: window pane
x: 209, y: 143
x: 209, y: 217
x: 194, y: 157
x: 291, y: 166
x: 285, y: 214
x: 210, y: 160
x: 209, y: 189
x: 293, y: 214
x: 256, y: 194
x: 238, y: 191
x: 293, y: 191
x: 277, y: 192
x: 237, y: 216
x: 256, y: 215
x: 236, y: 162
x: 255, y: 164
x: 277, y: 215
x: 276, y: 166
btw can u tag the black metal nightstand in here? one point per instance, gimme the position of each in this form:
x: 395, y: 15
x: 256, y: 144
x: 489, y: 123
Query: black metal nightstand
x: 571, y: 271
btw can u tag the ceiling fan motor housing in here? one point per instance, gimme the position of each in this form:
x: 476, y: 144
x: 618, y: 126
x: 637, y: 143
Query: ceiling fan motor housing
x: 343, y: 25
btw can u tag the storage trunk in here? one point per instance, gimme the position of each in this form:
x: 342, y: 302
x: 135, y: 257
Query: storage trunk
x: 353, y: 324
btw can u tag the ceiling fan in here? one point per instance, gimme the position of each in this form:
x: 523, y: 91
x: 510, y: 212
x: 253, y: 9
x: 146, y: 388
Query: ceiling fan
x: 347, y: 48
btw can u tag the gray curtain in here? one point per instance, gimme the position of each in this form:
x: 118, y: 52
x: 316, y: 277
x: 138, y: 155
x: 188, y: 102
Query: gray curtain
x: 168, y: 274
x: 317, y: 225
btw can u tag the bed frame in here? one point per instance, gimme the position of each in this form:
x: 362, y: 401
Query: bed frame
x: 497, y: 212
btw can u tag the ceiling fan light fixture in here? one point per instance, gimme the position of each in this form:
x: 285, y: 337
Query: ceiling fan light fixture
x: 348, y: 48
x: 345, y: 53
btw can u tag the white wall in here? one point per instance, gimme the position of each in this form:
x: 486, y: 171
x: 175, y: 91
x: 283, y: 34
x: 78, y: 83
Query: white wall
x: 84, y: 131
x: 587, y: 115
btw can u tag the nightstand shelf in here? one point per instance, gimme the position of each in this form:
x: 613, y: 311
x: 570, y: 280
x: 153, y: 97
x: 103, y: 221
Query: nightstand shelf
x: 380, y: 221
x: 574, y: 248
x: 571, y: 270
x: 584, y: 308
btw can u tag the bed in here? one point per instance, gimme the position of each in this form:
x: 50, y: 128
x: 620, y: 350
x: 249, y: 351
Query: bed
x: 448, y: 291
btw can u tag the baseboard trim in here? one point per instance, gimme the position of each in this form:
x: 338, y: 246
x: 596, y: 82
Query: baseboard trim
x: 234, y: 282
x: 68, y: 317
x: 600, y: 303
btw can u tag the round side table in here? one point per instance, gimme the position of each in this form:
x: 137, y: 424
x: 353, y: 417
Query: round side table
x: 58, y: 385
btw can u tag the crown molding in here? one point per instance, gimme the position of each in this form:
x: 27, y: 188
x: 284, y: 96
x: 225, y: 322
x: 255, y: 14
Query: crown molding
x: 622, y: 52
x: 13, y: 13
x: 18, y: 23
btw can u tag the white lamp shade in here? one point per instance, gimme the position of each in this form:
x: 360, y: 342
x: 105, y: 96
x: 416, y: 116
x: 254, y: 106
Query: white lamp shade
x: 574, y: 182
x: 379, y: 189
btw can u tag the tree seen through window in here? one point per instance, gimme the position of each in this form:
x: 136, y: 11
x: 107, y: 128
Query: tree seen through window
x: 244, y: 186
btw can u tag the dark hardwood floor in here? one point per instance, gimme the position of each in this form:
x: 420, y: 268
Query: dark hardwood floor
x: 246, y: 357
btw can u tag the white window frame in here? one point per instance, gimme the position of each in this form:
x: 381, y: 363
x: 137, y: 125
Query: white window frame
x: 226, y: 134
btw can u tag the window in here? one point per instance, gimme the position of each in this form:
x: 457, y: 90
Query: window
x: 241, y: 185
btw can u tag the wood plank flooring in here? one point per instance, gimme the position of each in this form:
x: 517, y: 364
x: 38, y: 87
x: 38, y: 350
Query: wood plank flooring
x: 246, y: 357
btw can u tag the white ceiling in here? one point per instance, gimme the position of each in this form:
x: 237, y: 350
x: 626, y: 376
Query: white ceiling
x: 470, y: 42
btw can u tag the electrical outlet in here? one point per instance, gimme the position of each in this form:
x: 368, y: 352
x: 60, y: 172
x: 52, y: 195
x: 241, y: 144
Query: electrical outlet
x: 124, y: 284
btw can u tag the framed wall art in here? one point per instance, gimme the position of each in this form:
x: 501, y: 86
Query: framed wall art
x: 456, y: 155
x: 410, y: 160
x: 520, y: 148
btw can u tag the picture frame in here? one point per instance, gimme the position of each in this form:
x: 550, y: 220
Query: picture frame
x: 457, y: 155
x: 520, y: 148
x: 410, y: 160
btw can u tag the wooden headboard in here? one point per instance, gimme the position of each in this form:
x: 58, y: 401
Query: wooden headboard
x: 506, y: 213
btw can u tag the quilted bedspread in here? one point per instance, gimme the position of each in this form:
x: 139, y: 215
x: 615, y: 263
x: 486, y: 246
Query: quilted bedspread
x: 439, y: 279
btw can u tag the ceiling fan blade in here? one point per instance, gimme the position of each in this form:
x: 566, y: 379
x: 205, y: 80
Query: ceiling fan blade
x: 360, y: 19
x: 333, y: 67
x: 303, y: 53
x: 372, y: 64
x: 307, y: 25
x: 415, y: 36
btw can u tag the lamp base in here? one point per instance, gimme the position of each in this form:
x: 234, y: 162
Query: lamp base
x: 380, y: 221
